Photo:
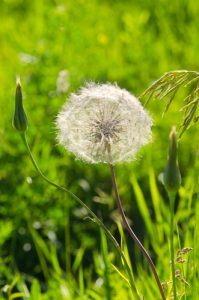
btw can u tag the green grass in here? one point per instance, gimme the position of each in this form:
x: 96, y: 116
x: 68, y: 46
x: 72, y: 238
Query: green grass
x: 48, y: 247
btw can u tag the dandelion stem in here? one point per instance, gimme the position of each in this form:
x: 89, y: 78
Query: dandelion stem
x: 132, y: 234
x: 91, y: 213
x: 172, y: 202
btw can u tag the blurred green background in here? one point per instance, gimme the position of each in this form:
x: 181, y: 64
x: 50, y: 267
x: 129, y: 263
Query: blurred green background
x: 55, y: 47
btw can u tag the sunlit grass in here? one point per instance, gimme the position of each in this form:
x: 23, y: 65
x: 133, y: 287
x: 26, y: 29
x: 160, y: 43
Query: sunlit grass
x: 48, y: 249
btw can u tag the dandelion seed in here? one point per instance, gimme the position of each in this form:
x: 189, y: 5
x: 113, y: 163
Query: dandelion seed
x: 103, y: 123
x: 28, y: 58
x: 63, y: 82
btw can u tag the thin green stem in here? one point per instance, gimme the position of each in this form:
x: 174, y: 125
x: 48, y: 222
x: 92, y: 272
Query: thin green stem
x: 172, y: 202
x: 67, y: 242
x: 104, y: 249
x: 91, y: 213
x: 182, y: 265
x: 132, y: 234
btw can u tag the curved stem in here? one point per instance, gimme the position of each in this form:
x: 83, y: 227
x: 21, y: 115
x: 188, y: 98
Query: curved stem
x: 132, y: 234
x: 172, y: 202
x: 96, y: 219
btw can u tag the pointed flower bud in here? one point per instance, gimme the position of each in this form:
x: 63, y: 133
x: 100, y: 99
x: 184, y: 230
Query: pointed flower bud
x: 171, y: 176
x: 20, y: 120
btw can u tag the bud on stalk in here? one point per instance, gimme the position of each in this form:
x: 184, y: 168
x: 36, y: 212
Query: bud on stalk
x: 20, y: 120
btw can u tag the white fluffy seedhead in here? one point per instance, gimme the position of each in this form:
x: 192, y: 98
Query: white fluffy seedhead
x: 103, y: 123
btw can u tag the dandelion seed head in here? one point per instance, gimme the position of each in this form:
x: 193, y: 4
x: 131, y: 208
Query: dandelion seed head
x: 103, y: 123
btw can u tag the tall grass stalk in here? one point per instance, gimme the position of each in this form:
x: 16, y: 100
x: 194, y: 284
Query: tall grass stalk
x: 106, y: 277
x: 172, y: 182
x: 172, y: 203
x: 67, y: 243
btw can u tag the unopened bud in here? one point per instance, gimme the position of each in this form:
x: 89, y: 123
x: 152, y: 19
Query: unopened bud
x: 172, y: 177
x: 20, y: 120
